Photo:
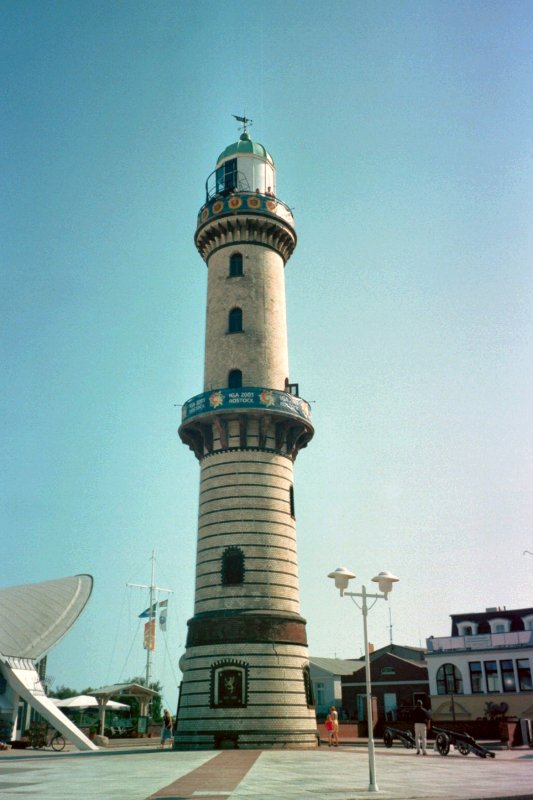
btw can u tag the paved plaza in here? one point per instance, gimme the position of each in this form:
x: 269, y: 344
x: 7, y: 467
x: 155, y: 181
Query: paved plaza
x: 148, y: 773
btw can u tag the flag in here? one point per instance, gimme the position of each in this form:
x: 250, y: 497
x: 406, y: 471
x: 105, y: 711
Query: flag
x: 148, y: 613
x: 163, y: 608
x: 149, y: 635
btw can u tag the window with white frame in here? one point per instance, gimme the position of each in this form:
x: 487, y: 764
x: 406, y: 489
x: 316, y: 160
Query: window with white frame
x: 500, y: 625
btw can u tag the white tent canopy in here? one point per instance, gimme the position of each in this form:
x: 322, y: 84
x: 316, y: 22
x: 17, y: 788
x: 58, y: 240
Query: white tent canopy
x: 86, y: 701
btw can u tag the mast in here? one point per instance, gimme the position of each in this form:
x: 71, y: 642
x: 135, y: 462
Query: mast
x: 152, y: 613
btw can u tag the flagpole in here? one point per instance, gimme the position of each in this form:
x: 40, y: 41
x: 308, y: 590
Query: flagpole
x: 151, y: 613
x: 151, y: 629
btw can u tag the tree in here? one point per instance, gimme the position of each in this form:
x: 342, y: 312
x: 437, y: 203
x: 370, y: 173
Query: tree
x: 62, y: 692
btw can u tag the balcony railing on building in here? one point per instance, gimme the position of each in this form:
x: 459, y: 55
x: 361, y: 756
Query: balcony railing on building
x: 482, y: 641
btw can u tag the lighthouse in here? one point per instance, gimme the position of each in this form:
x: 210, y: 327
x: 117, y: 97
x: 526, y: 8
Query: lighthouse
x: 246, y: 680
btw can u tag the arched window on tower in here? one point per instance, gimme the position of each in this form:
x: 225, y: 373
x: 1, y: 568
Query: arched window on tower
x: 235, y: 379
x: 308, y: 686
x: 235, y: 320
x: 232, y: 570
x: 235, y: 265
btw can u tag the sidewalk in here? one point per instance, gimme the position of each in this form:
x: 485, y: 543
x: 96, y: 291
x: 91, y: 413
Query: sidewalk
x: 147, y: 773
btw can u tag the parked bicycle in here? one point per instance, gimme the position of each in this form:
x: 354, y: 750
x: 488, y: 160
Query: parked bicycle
x: 41, y: 736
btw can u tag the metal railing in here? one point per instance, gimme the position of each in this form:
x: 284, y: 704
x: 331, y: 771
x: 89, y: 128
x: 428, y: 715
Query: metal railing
x: 480, y: 641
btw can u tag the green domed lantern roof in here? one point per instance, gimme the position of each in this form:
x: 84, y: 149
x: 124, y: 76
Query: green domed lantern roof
x: 245, y: 147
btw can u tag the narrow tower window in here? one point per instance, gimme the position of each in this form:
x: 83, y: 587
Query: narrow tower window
x: 235, y: 379
x: 235, y: 265
x: 308, y: 687
x: 235, y: 320
x: 232, y: 566
x: 291, y: 501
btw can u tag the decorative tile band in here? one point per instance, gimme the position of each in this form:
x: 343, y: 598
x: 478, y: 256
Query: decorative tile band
x: 265, y: 204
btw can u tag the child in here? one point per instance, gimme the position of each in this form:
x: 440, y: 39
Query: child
x: 329, y: 728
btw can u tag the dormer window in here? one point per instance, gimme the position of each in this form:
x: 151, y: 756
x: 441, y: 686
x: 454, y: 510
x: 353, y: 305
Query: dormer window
x: 467, y: 628
x: 500, y: 625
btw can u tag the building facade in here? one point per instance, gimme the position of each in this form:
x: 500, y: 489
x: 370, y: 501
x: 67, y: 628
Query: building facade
x: 399, y: 677
x: 326, y: 675
x: 484, y: 669
x: 246, y: 679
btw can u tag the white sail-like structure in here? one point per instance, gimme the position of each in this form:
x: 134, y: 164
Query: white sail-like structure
x: 34, y: 618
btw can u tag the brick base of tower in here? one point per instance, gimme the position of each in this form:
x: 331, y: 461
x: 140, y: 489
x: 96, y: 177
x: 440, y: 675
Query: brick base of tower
x: 276, y: 715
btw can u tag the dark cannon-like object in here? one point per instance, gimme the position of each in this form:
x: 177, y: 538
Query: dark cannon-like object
x: 461, y: 741
x: 406, y: 737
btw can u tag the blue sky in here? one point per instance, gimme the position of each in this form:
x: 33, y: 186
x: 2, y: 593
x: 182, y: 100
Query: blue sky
x: 401, y: 133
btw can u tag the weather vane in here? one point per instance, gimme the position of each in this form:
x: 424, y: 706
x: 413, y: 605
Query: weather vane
x: 245, y: 121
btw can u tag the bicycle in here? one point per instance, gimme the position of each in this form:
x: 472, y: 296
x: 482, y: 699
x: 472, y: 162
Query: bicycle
x: 57, y: 742
x: 39, y: 738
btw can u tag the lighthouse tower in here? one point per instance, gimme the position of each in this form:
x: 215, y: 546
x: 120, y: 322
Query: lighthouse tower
x: 245, y: 669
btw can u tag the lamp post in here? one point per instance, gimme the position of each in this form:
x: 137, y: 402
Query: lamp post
x: 385, y: 581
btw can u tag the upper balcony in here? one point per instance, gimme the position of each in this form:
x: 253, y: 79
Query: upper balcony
x: 246, y: 418
x: 483, y: 641
x: 246, y: 398
x: 231, y: 192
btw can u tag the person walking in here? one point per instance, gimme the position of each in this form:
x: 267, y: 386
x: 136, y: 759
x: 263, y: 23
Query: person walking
x: 335, y: 720
x: 421, y: 720
x: 166, y: 730
x: 329, y: 728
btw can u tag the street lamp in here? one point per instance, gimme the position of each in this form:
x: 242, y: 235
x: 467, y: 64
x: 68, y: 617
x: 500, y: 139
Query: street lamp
x: 385, y: 581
